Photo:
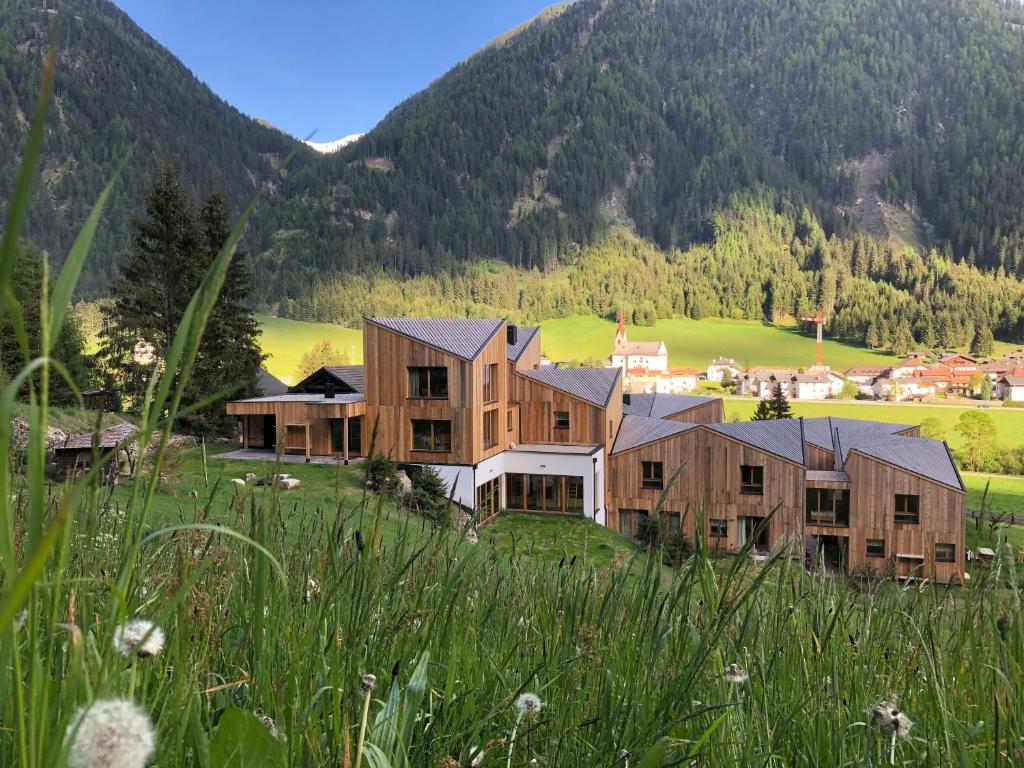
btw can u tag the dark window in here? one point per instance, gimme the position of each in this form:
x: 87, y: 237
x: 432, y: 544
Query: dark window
x: 428, y: 382
x: 652, y: 475
x: 544, y: 493
x: 908, y: 508
x: 875, y: 548
x: 828, y: 506
x: 355, y: 435
x: 631, y: 520
x: 338, y: 435
x: 751, y: 479
x: 672, y: 522
x: 488, y: 498
x: 945, y: 553
x: 719, y: 527
x: 490, y: 382
x: 490, y: 429
x: 574, y: 495
x: 515, y: 491
x: 508, y: 421
x: 428, y: 435
x: 561, y: 419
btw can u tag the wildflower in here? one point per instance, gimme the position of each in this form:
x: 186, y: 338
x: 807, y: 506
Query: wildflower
x: 478, y: 756
x: 268, y: 721
x: 110, y: 733
x: 144, y: 353
x: 735, y: 674
x: 887, y: 718
x: 367, y: 684
x: 528, y: 704
x: 138, y: 638
x: 312, y: 591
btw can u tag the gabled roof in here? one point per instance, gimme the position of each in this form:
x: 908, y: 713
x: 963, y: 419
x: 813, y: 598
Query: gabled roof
x: 595, y: 385
x: 462, y: 338
x: 820, y: 430
x: 635, y: 431
x: 780, y: 437
x: 640, y: 348
x: 346, y: 378
x: 268, y: 384
x: 659, y: 405
x: 928, y: 458
x: 315, y: 398
x: 109, y: 438
x: 1013, y: 380
x: 524, y: 335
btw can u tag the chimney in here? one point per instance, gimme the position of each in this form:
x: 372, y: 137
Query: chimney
x: 511, y: 334
x: 626, y: 398
x: 329, y: 390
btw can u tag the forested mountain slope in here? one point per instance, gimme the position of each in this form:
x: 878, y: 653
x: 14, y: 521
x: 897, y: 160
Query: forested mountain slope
x: 652, y: 114
x: 114, y: 85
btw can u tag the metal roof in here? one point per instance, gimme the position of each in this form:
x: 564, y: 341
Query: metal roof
x: 779, y: 436
x: 353, y: 375
x: 462, y: 338
x: 820, y: 430
x: 595, y: 385
x: 928, y: 458
x: 524, y: 334
x: 659, y: 405
x: 268, y: 384
x: 635, y: 431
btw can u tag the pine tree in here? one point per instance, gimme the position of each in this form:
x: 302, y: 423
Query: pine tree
x: 779, y: 404
x: 763, y: 412
x: 871, y: 338
x: 983, y: 343
x: 902, y: 341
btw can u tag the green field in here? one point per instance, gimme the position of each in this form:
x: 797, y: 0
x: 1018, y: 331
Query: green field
x: 287, y: 340
x: 1009, y: 421
x: 1005, y: 493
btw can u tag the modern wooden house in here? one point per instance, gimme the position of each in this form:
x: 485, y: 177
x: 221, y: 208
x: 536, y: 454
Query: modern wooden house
x: 472, y: 399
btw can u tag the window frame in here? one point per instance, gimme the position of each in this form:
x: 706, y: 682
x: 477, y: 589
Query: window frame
x: 433, y: 435
x: 876, y: 555
x: 429, y: 372
x: 751, y: 488
x: 656, y: 480
x: 721, y: 523
x: 490, y: 419
x: 490, y: 383
x: 555, y: 420
x: 952, y: 552
x: 906, y: 516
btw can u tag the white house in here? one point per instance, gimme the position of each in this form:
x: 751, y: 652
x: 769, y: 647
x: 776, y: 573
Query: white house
x: 908, y: 366
x: 675, y: 381
x: 815, y: 386
x: 1011, y: 386
x: 716, y: 371
x: 905, y: 388
x: 761, y: 383
x: 637, y: 356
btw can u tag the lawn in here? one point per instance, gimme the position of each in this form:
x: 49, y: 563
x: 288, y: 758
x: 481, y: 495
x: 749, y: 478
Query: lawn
x: 287, y: 340
x: 1009, y: 421
x: 1005, y: 493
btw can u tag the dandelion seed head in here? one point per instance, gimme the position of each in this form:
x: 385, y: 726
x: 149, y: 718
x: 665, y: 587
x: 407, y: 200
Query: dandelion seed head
x: 144, y: 353
x: 529, y: 703
x: 367, y: 683
x: 268, y: 721
x: 735, y: 674
x: 110, y: 733
x: 138, y: 638
x: 889, y: 719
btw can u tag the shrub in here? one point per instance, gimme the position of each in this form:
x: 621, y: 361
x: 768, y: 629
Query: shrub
x: 380, y: 474
x: 429, y: 495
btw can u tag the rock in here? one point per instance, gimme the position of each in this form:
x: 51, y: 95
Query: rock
x: 403, y: 481
x: 288, y: 483
x: 238, y: 482
x: 283, y: 476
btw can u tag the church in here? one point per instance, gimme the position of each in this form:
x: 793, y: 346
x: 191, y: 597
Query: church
x: 646, y: 356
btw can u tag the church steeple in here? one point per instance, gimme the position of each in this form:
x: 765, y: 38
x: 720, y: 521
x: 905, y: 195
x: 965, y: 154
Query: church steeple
x: 620, y: 334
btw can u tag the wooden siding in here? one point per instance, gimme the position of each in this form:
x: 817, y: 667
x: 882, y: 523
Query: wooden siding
x: 390, y: 411
x: 317, y: 416
x: 819, y: 458
x: 529, y: 359
x: 712, y: 412
x: 874, y: 485
x: 589, y: 424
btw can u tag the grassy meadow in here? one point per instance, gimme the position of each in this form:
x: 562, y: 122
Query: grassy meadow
x: 287, y: 340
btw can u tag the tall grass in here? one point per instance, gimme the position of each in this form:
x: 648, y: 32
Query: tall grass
x: 271, y: 636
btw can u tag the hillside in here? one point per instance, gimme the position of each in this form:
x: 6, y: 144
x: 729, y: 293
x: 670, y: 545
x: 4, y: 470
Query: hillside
x: 653, y: 115
x: 115, y: 85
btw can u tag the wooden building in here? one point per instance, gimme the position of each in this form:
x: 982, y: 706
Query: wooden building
x: 77, y: 455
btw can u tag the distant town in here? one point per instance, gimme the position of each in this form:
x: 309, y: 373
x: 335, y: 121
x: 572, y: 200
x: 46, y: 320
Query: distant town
x: 919, y: 376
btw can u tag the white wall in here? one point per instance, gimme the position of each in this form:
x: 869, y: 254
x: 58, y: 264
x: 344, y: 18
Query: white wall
x: 577, y: 465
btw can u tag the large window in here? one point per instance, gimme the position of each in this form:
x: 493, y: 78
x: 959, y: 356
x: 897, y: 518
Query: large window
x: 908, y: 508
x: 630, y: 521
x: 490, y: 429
x: 945, y: 553
x: 431, y: 435
x: 719, y: 528
x: 828, y: 506
x: 875, y: 548
x: 561, y: 419
x: 544, y: 493
x: 490, y: 382
x: 752, y: 480
x: 488, y: 498
x: 652, y: 475
x: 428, y: 382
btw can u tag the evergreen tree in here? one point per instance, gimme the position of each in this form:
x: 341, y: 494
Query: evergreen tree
x: 871, y: 338
x: 902, y: 340
x: 779, y: 404
x: 983, y: 343
x: 763, y: 412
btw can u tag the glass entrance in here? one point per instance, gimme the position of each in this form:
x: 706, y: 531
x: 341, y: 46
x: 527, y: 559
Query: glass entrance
x: 544, y: 493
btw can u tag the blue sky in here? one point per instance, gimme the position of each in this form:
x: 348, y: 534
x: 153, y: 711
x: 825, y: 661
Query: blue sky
x: 333, y: 67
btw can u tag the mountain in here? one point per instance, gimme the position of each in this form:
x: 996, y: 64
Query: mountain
x: 115, y: 85
x: 901, y: 118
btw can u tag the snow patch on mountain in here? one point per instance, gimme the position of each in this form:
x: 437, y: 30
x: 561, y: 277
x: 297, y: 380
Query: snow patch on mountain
x: 326, y: 147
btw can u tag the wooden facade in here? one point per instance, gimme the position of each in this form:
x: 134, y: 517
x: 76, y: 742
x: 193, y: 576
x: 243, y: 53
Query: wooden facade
x: 711, y: 412
x: 391, y: 410
x: 302, y: 427
x: 589, y: 424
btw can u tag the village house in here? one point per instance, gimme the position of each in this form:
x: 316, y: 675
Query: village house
x: 1011, y: 386
x: 673, y: 381
x: 718, y: 369
x: 904, y: 388
x: 471, y: 399
x: 864, y: 377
